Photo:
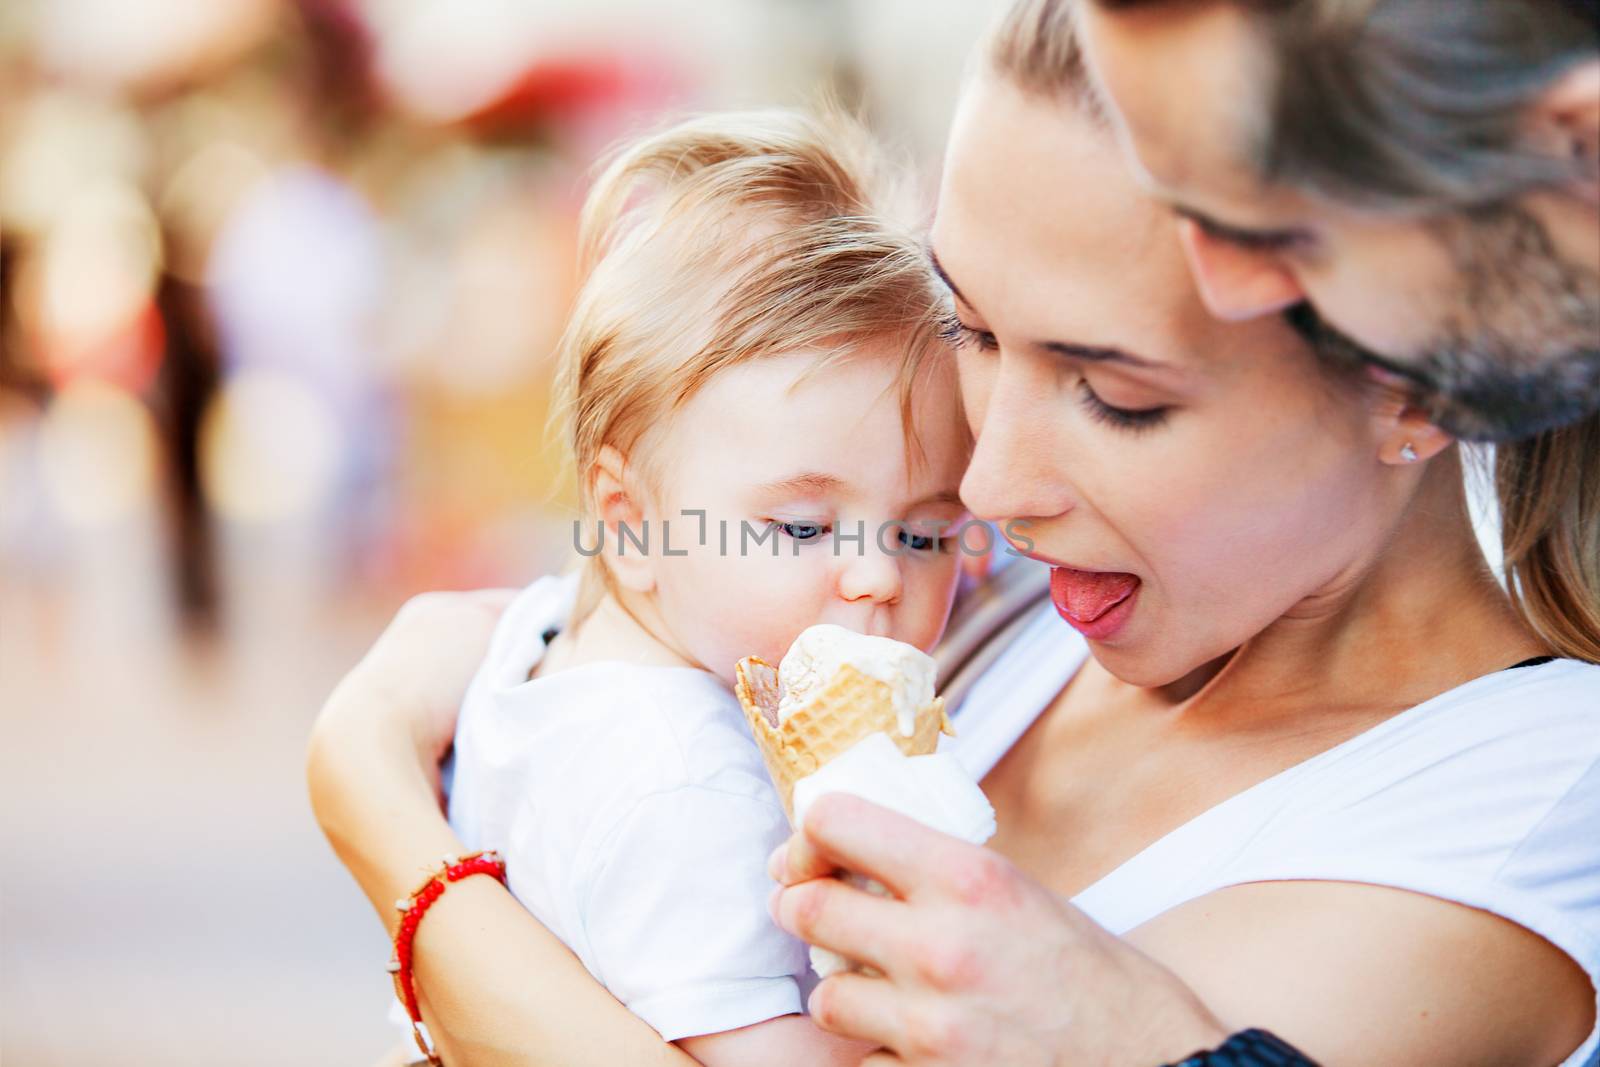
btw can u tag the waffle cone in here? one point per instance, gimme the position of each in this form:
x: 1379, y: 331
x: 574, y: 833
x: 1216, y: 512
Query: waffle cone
x: 850, y: 707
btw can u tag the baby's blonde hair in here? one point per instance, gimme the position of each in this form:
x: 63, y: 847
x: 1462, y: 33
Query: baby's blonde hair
x: 720, y: 240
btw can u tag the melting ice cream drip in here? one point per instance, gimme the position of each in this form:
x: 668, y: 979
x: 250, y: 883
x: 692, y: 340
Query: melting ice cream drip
x: 765, y: 690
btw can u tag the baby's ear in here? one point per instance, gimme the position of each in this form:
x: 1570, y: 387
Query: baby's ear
x: 612, y: 487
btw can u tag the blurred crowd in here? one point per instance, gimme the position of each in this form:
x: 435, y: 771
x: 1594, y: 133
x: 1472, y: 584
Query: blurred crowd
x: 300, y: 265
x: 279, y: 280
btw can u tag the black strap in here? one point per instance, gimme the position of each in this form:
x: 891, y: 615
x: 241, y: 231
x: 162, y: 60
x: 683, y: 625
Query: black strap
x: 1587, y: 9
x: 1250, y: 1048
x: 1536, y: 661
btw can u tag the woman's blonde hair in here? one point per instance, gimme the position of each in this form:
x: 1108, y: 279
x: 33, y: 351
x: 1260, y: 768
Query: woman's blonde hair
x: 1548, y: 485
x: 1549, y: 491
x: 720, y: 240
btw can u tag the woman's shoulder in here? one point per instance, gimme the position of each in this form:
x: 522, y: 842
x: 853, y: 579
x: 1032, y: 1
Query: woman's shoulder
x: 1486, y: 794
x: 1528, y: 719
x: 1523, y: 735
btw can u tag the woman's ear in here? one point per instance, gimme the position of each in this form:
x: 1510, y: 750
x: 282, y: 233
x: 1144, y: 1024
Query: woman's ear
x: 1568, y: 121
x: 1405, y: 433
x: 614, y: 490
x: 1412, y: 438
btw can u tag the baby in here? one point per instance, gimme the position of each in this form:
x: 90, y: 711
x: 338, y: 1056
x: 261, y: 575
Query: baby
x: 766, y: 436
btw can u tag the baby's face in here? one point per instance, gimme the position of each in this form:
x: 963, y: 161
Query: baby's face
x: 782, y: 468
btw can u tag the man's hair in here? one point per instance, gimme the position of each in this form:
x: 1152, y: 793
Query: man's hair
x: 1413, y: 104
x: 721, y: 240
x: 1416, y: 105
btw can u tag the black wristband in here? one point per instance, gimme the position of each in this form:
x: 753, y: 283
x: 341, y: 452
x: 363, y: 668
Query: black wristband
x: 1249, y: 1048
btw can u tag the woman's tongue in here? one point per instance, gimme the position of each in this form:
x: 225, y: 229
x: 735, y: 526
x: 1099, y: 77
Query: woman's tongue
x: 1087, y: 595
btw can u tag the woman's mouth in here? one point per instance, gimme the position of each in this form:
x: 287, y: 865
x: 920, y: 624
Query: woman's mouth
x: 1095, y: 603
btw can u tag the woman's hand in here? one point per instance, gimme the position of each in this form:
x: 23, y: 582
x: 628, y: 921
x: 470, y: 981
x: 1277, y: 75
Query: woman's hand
x: 412, y: 681
x: 980, y: 964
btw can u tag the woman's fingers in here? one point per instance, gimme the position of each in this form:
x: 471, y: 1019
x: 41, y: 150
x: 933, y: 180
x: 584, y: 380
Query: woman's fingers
x: 843, y: 831
x: 857, y: 1006
x: 856, y: 924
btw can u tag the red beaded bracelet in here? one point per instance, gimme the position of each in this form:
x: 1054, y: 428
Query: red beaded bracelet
x: 411, y: 909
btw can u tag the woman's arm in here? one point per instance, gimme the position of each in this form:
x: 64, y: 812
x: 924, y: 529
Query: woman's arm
x: 1358, y: 973
x: 496, y: 987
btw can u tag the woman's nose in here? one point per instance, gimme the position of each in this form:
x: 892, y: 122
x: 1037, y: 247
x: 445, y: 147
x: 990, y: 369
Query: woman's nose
x: 1016, y: 470
x: 1237, y: 283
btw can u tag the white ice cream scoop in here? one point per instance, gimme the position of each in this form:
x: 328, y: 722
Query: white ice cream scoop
x: 820, y: 651
x: 934, y: 790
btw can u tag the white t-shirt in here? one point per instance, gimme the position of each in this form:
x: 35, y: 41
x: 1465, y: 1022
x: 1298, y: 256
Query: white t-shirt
x: 1487, y: 795
x: 635, y: 817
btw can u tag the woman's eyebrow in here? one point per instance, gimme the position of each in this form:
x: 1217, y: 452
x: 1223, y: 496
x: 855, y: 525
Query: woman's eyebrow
x: 1100, y: 354
x: 938, y: 268
x: 1091, y: 353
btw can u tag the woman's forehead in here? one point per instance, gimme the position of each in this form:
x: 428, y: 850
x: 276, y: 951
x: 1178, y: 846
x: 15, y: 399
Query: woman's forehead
x: 1042, y: 228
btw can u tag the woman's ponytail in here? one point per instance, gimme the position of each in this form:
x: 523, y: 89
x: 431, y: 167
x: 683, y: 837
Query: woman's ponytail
x: 1549, y: 490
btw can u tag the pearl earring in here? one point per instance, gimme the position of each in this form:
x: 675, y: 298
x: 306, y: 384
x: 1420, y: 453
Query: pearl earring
x: 1407, y: 453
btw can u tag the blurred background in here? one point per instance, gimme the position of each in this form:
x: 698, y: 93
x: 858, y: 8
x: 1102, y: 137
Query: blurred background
x: 279, y: 280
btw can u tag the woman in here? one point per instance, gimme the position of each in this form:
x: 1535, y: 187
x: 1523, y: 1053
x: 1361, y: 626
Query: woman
x: 1301, y: 766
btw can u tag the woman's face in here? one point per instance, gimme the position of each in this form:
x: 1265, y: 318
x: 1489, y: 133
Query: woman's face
x: 1193, y: 481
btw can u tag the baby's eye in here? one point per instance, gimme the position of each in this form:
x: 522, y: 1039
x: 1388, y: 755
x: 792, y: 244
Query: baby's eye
x: 804, y: 532
x: 925, y: 542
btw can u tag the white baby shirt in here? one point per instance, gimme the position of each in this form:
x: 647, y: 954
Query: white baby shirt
x: 635, y: 817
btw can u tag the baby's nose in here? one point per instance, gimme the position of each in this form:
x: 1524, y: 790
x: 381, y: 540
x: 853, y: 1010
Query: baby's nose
x: 869, y: 576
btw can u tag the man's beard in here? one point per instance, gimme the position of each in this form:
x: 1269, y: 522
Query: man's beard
x: 1520, y: 355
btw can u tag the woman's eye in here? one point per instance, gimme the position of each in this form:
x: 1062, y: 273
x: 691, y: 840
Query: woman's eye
x: 804, y: 532
x: 1123, y: 418
x: 957, y: 334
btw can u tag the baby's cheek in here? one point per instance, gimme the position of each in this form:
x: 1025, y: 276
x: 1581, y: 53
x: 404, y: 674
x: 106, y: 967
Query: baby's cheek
x: 926, y: 604
x: 751, y: 621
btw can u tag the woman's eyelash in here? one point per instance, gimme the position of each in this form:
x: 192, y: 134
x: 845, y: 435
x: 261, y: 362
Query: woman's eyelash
x: 957, y: 334
x: 1122, y: 418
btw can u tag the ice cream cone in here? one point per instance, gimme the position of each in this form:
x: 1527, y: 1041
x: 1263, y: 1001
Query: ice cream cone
x: 849, y: 707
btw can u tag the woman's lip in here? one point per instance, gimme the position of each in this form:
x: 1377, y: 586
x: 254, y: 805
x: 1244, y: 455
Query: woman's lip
x: 1042, y: 558
x: 1063, y: 564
